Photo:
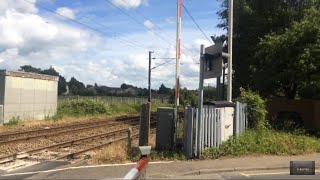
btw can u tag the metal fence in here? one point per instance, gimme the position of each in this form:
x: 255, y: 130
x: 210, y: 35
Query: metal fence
x: 1, y: 114
x: 212, y: 123
x: 113, y: 99
x: 241, y: 118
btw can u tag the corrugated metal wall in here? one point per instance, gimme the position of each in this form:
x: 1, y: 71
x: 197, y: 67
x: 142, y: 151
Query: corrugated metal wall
x: 2, y: 81
x: 29, y: 98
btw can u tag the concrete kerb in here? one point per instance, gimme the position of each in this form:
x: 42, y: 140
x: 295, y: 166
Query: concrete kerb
x: 239, y: 169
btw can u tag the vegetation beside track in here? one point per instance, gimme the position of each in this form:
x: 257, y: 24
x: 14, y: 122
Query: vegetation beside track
x: 75, y: 111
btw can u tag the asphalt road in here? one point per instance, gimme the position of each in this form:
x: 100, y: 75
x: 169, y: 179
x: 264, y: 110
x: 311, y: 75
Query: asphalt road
x: 262, y: 175
x: 63, y: 170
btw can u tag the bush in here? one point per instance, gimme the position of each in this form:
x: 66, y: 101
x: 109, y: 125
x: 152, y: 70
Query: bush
x: 255, y: 142
x: 83, y: 107
x: 13, y: 121
x: 256, y: 109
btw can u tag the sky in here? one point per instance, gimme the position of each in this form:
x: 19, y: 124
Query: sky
x: 107, y: 41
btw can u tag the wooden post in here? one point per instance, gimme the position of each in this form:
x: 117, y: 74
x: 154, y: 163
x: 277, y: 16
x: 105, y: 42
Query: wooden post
x: 129, y: 139
x: 144, y: 125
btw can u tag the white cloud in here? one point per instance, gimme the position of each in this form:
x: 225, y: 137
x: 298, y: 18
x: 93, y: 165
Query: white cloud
x: 128, y: 4
x: 18, y: 5
x: 69, y: 13
x: 148, y: 24
x: 28, y: 38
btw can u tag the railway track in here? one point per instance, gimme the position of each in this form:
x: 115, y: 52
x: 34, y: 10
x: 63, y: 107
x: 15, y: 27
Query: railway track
x: 87, y: 144
x: 3, y: 137
x: 78, y: 146
x: 49, y: 132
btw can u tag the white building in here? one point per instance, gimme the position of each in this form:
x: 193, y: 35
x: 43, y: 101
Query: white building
x: 28, y: 96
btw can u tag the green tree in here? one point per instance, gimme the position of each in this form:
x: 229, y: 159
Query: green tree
x: 76, y: 87
x: 29, y: 68
x: 253, y: 20
x: 163, y: 89
x: 290, y: 58
x: 209, y: 93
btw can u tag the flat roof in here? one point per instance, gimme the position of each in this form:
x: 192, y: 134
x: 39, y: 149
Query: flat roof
x: 28, y: 75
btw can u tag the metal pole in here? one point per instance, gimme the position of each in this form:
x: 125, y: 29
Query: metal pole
x: 230, y: 33
x: 178, y: 54
x: 223, y: 81
x: 149, y: 78
x: 218, y: 89
x: 200, y: 99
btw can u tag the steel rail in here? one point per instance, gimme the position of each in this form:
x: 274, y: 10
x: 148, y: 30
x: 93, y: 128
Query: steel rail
x: 20, y: 155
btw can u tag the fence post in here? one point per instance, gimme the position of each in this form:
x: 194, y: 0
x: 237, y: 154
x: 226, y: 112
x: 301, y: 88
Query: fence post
x: 78, y: 97
x: 188, y: 131
x: 144, y: 125
x: 129, y: 139
x: 134, y: 100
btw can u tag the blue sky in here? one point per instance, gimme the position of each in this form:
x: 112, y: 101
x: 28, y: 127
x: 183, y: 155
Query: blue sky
x: 118, y: 52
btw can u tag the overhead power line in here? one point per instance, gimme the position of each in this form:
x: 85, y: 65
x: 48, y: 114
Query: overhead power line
x: 137, y: 21
x: 164, y: 63
x: 148, y: 19
x: 184, y: 7
x: 87, y: 26
x: 118, y: 34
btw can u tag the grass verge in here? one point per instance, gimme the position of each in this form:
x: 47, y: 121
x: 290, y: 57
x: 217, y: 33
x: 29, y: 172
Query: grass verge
x: 114, y: 153
x: 267, y: 142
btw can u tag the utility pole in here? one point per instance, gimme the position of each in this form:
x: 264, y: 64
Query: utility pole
x: 230, y: 34
x: 149, y: 78
x: 178, y: 54
x: 200, y: 100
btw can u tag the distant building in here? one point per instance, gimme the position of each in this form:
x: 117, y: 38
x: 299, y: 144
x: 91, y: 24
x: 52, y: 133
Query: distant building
x: 28, y: 96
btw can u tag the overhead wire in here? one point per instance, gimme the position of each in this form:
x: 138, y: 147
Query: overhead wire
x: 148, y: 19
x: 117, y: 34
x: 137, y: 21
x: 85, y: 25
x: 163, y: 63
x: 185, y: 8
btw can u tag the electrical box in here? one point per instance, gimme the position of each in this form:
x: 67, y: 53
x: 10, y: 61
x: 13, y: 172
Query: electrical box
x: 165, y: 131
x: 226, y: 114
x: 213, y: 61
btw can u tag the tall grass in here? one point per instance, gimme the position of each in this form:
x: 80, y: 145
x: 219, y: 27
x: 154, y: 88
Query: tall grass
x: 83, y: 107
x: 268, y: 142
x: 90, y: 107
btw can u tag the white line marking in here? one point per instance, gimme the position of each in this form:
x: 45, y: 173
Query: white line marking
x: 81, y: 167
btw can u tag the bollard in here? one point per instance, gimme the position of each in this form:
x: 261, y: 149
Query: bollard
x: 140, y: 169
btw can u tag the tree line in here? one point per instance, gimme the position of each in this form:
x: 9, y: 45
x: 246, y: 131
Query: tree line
x: 276, y: 47
x: 77, y: 87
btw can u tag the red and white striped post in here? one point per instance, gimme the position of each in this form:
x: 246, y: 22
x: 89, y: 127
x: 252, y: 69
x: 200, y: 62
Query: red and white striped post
x: 139, y: 170
x: 178, y: 56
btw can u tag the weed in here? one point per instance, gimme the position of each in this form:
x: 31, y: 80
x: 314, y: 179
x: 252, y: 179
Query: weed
x: 13, y: 121
x: 114, y: 153
x: 265, y: 142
